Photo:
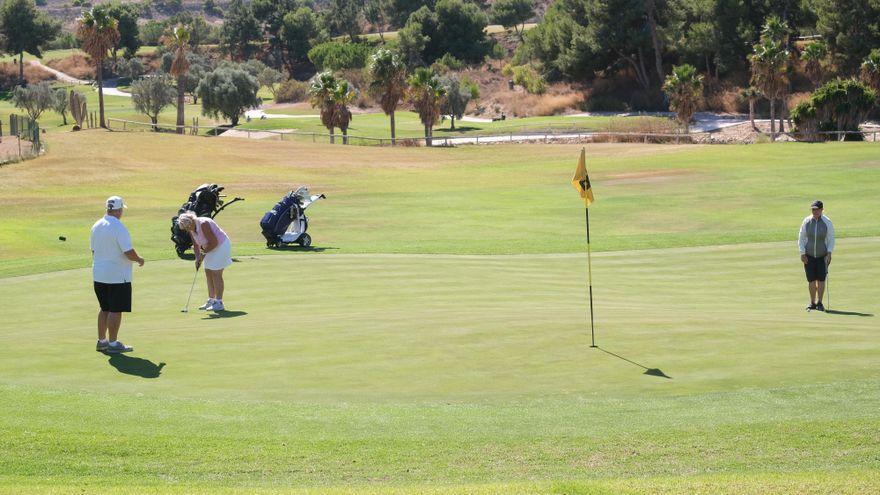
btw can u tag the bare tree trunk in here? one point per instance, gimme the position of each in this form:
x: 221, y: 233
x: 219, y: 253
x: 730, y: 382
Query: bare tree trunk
x: 99, y: 73
x: 644, y: 71
x: 344, y: 135
x: 332, y: 137
x: 393, y: 141
x: 752, y: 113
x: 181, y: 121
x: 155, y: 120
x: 651, y: 10
x: 427, y: 135
x: 453, y: 122
x: 782, y: 110
x: 772, y: 118
x: 21, y: 68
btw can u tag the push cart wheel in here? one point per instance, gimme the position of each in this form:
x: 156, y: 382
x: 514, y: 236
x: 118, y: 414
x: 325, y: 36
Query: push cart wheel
x: 305, y: 240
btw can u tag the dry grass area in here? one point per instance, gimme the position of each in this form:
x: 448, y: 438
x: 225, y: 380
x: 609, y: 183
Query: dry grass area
x: 77, y: 65
x: 32, y: 74
x: 497, y: 98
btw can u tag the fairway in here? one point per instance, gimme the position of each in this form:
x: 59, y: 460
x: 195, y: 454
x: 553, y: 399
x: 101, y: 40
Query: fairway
x: 436, y: 340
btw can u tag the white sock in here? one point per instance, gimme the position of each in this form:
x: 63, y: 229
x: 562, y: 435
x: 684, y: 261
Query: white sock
x: 103, y: 341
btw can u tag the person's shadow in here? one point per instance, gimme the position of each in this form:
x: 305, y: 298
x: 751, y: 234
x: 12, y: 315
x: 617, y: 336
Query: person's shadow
x: 136, y: 366
x: 224, y: 314
x: 847, y: 313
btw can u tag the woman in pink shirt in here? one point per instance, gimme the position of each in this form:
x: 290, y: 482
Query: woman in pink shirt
x: 212, y: 246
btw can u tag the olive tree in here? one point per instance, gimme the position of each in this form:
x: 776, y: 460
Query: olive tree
x: 228, y: 91
x: 151, y: 95
x: 34, y: 99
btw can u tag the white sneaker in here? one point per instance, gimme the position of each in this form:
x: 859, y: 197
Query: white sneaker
x: 207, y: 305
x: 118, y: 348
x: 217, y: 306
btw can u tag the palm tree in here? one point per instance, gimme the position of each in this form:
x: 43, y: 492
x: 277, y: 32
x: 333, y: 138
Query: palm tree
x: 343, y: 94
x: 751, y: 94
x: 388, y: 82
x: 871, y: 70
x: 769, y: 61
x: 775, y: 29
x: 321, y: 91
x: 813, y: 55
x: 684, y: 88
x: 177, y: 40
x: 98, y: 32
x: 426, y: 93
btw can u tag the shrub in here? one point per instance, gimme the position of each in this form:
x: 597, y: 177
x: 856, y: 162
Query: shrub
x: 527, y: 77
x: 447, y: 63
x: 292, y: 91
x: 839, y: 105
x: 337, y: 56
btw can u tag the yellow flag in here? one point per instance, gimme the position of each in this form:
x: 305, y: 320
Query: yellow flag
x: 581, y: 181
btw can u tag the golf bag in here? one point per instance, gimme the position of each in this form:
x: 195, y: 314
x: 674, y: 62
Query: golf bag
x: 205, y: 201
x: 287, y: 223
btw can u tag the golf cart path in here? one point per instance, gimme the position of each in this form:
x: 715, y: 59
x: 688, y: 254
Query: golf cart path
x: 109, y: 85
x: 58, y: 74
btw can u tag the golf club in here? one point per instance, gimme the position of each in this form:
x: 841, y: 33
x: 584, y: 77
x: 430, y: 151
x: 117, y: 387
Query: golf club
x: 828, y: 283
x: 191, y: 287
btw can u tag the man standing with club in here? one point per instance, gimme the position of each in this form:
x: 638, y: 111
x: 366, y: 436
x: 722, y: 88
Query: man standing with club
x: 112, y: 257
x: 816, y: 242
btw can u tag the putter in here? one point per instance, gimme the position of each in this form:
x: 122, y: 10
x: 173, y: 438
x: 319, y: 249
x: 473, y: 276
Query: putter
x: 828, y: 284
x: 191, y: 287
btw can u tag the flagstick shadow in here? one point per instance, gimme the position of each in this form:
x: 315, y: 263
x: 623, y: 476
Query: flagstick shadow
x: 648, y: 371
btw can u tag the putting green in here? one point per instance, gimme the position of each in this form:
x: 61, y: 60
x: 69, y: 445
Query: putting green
x: 468, y: 371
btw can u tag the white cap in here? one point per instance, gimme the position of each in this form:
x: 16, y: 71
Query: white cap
x: 115, y: 203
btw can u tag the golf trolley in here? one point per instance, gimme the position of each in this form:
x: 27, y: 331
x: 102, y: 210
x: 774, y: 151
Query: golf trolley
x: 205, y: 201
x: 287, y: 223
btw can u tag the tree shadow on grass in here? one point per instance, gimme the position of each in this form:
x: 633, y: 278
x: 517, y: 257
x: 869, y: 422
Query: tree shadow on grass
x: 224, y: 314
x: 847, y: 313
x: 648, y: 371
x: 298, y: 248
x: 136, y: 366
x: 458, y: 129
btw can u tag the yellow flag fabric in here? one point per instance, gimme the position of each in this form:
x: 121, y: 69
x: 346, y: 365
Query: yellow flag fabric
x: 581, y: 181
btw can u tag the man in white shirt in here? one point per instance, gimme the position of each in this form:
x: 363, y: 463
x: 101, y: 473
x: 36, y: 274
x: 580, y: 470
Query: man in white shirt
x: 816, y: 242
x: 112, y: 257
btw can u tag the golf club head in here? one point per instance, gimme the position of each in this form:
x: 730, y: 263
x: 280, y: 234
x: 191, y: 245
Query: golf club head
x: 184, y: 310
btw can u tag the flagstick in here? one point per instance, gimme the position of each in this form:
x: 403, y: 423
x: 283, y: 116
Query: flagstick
x: 590, y: 272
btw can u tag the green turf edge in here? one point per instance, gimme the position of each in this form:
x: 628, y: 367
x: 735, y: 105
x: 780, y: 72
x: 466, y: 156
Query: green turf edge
x: 831, y: 482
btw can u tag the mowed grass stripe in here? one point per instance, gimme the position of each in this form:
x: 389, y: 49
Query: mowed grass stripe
x: 371, y: 329
x: 470, y: 200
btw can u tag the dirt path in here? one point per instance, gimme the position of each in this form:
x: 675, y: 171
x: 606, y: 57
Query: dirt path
x: 58, y: 74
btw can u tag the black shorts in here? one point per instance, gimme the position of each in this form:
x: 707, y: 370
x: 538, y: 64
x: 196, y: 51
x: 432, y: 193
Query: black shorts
x: 115, y: 298
x: 816, y: 269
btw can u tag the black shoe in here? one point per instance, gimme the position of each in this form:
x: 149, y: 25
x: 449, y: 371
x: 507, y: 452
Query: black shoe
x: 820, y: 307
x: 811, y: 306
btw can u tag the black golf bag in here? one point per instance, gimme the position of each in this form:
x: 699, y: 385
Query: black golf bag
x: 205, y: 201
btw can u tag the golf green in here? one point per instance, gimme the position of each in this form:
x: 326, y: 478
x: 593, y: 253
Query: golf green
x: 392, y: 365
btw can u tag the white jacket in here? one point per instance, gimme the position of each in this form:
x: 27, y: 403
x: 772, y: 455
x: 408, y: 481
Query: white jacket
x: 816, y: 237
